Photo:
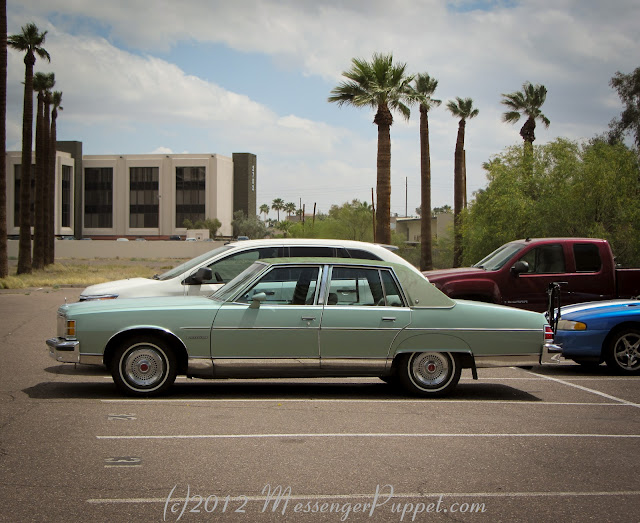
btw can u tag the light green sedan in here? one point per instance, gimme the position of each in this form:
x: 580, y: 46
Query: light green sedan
x: 321, y: 317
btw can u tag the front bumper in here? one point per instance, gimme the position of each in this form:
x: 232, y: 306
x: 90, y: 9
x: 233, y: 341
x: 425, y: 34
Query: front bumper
x: 551, y: 353
x: 65, y: 351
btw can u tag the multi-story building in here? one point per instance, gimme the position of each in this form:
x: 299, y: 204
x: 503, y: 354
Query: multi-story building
x: 140, y: 194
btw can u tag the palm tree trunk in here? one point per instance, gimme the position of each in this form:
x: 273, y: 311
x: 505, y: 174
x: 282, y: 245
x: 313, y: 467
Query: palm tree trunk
x: 426, y: 260
x: 383, y: 120
x: 24, y: 245
x: 39, y: 226
x: 49, y: 194
x: 458, y: 199
x: 4, y: 257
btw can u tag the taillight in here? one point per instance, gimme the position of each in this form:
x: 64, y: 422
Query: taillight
x: 548, y: 334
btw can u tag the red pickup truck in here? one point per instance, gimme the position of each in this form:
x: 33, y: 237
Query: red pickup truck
x: 519, y: 273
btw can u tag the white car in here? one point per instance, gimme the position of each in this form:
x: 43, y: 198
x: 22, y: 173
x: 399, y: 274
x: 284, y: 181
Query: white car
x: 208, y: 272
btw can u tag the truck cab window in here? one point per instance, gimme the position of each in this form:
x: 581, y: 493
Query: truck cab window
x: 546, y: 259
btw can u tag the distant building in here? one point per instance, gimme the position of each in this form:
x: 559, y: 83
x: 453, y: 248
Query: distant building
x: 409, y: 228
x: 140, y: 194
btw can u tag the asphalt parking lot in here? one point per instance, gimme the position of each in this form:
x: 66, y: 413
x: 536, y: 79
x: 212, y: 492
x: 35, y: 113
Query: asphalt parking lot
x: 547, y: 443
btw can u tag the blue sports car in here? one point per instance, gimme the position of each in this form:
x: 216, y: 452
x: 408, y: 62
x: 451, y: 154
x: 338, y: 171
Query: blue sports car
x: 608, y: 331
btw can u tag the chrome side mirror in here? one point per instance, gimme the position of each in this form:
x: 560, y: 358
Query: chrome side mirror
x: 257, y: 299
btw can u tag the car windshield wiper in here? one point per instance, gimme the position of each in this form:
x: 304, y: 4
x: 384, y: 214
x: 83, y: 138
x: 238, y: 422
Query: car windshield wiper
x: 156, y: 276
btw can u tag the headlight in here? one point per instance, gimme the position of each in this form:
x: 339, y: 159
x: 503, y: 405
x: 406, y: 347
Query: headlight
x: 566, y: 325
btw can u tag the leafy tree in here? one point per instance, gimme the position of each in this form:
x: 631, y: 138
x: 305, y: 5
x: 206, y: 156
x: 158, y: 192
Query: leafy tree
x: 264, y: 209
x: 423, y: 88
x: 385, y: 87
x: 349, y: 221
x: 526, y: 103
x: 213, y: 225
x: 250, y: 227
x: 42, y: 82
x: 586, y: 190
x: 56, y: 100
x: 277, y: 205
x: 290, y: 208
x: 29, y: 41
x: 463, y: 110
x: 628, y: 88
x: 444, y: 209
x: 4, y: 258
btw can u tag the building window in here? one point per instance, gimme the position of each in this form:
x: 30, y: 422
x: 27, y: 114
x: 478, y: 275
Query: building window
x: 16, y: 199
x: 143, y: 197
x: 98, y: 197
x: 190, y: 194
x: 65, y: 218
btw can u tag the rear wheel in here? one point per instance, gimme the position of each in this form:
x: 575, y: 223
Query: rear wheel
x: 143, y: 366
x: 623, y: 351
x: 429, y: 373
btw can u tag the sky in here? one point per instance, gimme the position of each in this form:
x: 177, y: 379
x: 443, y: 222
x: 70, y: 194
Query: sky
x: 218, y: 77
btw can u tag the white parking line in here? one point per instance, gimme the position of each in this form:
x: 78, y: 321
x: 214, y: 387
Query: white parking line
x: 416, y: 495
x: 366, y: 435
x: 598, y: 393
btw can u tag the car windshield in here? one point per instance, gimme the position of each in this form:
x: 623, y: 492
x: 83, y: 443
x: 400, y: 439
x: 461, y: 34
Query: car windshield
x: 230, y: 289
x: 187, y: 266
x: 499, y: 257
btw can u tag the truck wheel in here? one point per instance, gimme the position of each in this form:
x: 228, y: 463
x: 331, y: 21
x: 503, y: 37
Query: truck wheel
x: 429, y: 373
x: 143, y: 366
x: 623, y: 351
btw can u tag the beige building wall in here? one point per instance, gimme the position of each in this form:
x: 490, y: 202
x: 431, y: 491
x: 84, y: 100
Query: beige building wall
x: 218, y: 198
x: 14, y: 158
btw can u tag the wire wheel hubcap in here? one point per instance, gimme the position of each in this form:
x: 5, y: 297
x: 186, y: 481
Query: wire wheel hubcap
x: 430, y: 369
x: 144, y: 366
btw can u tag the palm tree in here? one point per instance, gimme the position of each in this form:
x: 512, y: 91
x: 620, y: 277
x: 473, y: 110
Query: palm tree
x: 264, y: 209
x: 4, y: 255
x: 49, y: 257
x: 30, y: 41
x: 41, y: 84
x: 383, y: 86
x: 424, y: 87
x: 290, y: 208
x: 462, y: 109
x: 526, y: 103
x: 277, y: 205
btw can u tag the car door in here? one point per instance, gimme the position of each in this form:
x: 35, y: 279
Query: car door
x: 546, y: 264
x: 364, y: 311
x: 280, y: 333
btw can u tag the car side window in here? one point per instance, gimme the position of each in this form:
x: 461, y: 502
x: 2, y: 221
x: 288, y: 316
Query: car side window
x: 313, y: 251
x: 226, y: 269
x: 587, y: 257
x: 546, y: 259
x: 362, y: 254
x: 392, y: 294
x: 355, y: 286
x: 286, y: 286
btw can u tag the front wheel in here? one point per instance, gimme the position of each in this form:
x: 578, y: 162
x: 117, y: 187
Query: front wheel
x: 623, y: 352
x: 143, y: 366
x: 429, y: 373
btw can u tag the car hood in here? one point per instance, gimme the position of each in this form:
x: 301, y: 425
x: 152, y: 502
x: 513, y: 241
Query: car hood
x: 134, y: 304
x: 435, y: 276
x: 125, y: 288
x: 597, y: 308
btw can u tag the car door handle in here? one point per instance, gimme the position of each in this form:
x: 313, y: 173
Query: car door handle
x: 308, y: 318
x: 388, y: 318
